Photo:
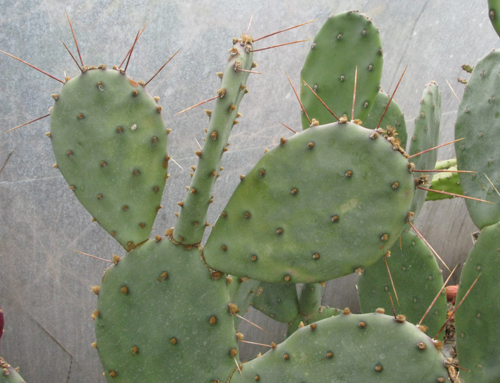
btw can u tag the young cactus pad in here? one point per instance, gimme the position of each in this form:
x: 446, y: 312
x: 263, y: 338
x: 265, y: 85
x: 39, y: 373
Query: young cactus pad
x: 344, y: 42
x: 478, y: 122
x: 110, y: 143
x: 350, y: 348
x: 304, y: 207
x: 162, y: 313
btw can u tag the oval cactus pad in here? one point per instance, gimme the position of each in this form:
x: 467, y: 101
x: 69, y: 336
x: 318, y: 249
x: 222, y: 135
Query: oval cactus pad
x: 319, y: 206
x: 110, y: 144
x: 345, y: 42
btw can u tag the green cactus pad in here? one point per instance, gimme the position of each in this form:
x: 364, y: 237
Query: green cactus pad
x: 304, y: 207
x: 393, y: 117
x: 191, y: 223
x: 350, y: 349
x: 476, y: 321
x: 8, y: 374
x: 446, y: 164
x: 479, y: 124
x: 344, y: 42
x: 277, y: 300
x: 110, y: 144
x: 426, y: 136
x: 417, y: 280
x: 494, y: 13
x: 322, y: 313
x: 447, y: 182
x: 241, y: 292
x: 163, y: 313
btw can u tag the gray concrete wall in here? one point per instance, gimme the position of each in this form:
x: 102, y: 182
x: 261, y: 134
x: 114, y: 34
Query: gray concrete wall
x: 44, y: 285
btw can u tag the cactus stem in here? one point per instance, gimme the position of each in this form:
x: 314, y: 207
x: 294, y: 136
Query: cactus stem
x: 390, y: 100
x: 163, y: 66
x: 26, y: 123
x: 428, y: 244
x: 283, y: 30
x: 74, y: 38
x: 279, y: 45
x: 457, y: 307
x: 320, y: 100
x: 129, y: 51
x: 298, y: 98
x: 454, y: 195
x: 288, y: 128
x: 436, y: 147
x: 93, y: 256
x: 73, y: 57
x: 437, y: 296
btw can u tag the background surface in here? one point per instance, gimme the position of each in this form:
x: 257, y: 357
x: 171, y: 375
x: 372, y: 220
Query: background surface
x: 44, y: 285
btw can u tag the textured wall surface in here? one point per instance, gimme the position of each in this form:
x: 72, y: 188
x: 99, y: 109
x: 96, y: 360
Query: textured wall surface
x: 44, y: 284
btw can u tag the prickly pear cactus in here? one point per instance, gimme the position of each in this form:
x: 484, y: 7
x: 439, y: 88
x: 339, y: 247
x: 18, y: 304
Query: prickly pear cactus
x: 147, y: 316
x: 393, y: 117
x: 277, y: 300
x: 476, y: 322
x: 494, y: 13
x: 344, y: 42
x: 478, y: 123
x: 425, y: 136
x: 9, y: 374
x: 308, y: 202
x: 350, y: 348
x: 447, y: 182
x: 417, y: 280
x: 110, y: 143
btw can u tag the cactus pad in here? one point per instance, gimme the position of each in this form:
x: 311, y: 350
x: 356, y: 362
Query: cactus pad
x: 494, y: 13
x: 426, y: 136
x: 307, y: 203
x: 110, y: 144
x: 478, y: 122
x: 161, y: 312
x: 277, y: 300
x: 344, y: 42
x: 476, y: 321
x: 417, y: 280
x: 393, y: 117
x: 350, y: 348
x: 8, y: 374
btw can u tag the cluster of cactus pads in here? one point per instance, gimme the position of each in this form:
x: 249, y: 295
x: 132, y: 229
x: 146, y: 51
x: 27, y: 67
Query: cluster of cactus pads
x: 167, y: 309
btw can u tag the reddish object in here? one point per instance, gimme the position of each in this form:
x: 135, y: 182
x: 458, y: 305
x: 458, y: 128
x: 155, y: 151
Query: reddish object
x: 451, y: 293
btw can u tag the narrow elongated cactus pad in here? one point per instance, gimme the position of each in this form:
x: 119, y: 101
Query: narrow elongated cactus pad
x: 319, y: 206
x: 478, y: 121
x: 476, y: 321
x: 426, y: 136
x: 350, y: 349
x: 8, y: 374
x: 163, y: 317
x: 344, y: 42
x: 110, y: 144
x: 417, y: 280
x: 494, y: 13
x: 393, y: 117
x: 277, y: 300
